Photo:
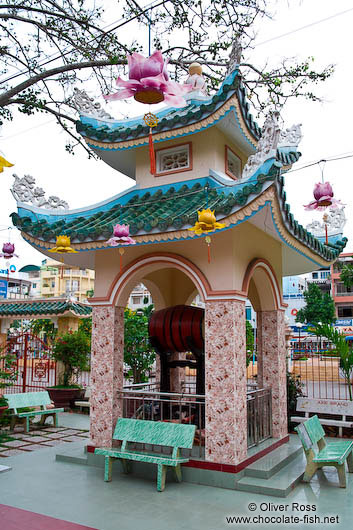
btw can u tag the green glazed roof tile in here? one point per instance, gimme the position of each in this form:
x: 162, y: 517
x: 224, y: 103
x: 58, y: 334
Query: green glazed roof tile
x: 40, y: 307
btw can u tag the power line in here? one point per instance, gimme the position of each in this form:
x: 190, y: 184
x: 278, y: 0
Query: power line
x: 27, y: 130
x: 304, y: 27
x: 318, y: 162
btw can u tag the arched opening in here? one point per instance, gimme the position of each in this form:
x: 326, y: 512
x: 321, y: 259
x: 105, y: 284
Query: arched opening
x: 264, y: 293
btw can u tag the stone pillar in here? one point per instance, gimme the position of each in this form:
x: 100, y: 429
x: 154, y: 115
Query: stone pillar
x: 271, y: 365
x: 177, y: 375
x: 107, y: 355
x: 225, y: 366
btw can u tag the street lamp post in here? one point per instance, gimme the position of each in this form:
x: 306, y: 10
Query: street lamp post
x: 299, y: 326
x: 320, y: 324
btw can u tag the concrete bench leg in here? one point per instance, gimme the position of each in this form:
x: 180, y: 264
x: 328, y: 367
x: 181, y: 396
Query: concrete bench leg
x: 342, y: 475
x: 177, y: 471
x: 350, y: 462
x: 108, y: 469
x: 126, y: 466
x: 27, y: 425
x: 162, y: 471
x: 310, y: 471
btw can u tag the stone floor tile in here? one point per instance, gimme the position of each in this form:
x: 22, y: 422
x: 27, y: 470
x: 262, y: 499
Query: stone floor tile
x: 11, y: 452
x: 52, y: 443
x: 72, y: 439
x: 34, y: 439
x: 15, y: 443
x: 34, y: 447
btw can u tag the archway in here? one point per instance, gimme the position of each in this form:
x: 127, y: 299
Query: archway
x: 263, y: 290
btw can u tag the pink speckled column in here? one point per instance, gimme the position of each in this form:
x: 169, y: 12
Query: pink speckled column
x: 225, y: 365
x: 177, y: 375
x: 271, y: 367
x: 107, y: 353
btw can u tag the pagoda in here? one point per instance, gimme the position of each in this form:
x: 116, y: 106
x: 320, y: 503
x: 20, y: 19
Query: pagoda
x: 209, y: 155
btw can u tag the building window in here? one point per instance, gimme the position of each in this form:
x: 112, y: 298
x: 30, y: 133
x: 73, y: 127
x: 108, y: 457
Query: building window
x: 345, y: 312
x: 233, y: 164
x: 75, y: 285
x: 136, y: 300
x: 53, y: 284
x: 174, y: 159
x: 34, y: 285
x: 315, y: 275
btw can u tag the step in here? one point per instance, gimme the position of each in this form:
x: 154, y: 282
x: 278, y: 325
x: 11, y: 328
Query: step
x: 270, y: 464
x: 280, y: 484
x: 74, y: 455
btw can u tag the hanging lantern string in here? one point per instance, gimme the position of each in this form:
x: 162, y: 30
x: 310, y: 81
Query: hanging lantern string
x: 321, y: 165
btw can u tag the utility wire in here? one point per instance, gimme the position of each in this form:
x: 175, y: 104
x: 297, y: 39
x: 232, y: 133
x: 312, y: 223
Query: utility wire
x: 304, y: 27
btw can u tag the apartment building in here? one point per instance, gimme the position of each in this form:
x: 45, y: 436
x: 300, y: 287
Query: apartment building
x: 59, y: 280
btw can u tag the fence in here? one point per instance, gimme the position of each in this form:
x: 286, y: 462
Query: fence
x: 190, y: 409
x: 320, y: 375
x: 167, y: 406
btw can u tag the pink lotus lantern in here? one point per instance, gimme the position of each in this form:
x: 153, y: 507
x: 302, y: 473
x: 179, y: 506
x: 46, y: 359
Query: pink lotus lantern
x: 323, y: 194
x: 8, y: 251
x: 149, y: 82
x: 121, y: 236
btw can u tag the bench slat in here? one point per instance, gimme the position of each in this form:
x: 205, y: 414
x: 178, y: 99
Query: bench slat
x: 140, y: 456
x: 334, y: 452
x: 155, y: 433
x: 38, y: 412
x: 28, y: 399
x: 324, y: 421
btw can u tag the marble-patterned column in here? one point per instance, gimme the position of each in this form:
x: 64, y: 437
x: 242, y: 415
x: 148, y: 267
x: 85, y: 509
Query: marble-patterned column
x: 271, y: 365
x: 107, y: 354
x: 225, y: 366
x: 177, y: 375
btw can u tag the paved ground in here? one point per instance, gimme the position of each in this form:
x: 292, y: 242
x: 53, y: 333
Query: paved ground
x: 41, y: 437
x: 78, y: 494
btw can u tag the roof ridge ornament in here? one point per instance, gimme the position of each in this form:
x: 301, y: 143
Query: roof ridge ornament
x: 87, y: 106
x: 267, y: 145
x: 272, y: 137
x: 23, y: 190
x: 291, y: 136
x: 335, y: 223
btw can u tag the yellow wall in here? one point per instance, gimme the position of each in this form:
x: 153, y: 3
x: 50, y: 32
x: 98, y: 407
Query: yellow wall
x: 85, y: 279
x: 208, y: 151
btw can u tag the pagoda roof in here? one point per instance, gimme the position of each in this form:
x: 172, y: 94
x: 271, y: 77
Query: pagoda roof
x: 165, y: 213
x: 228, y: 109
x: 43, y: 307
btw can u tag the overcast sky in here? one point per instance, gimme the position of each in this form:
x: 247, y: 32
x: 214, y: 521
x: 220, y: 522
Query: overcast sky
x: 36, y: 146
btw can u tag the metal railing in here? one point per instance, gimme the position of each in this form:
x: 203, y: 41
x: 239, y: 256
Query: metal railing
x: 167, y: 406
x: 259, y: 408
x: 190, y: 409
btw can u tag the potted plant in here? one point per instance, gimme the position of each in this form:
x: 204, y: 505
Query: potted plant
x: 7, y: 376
x: 72, y: 349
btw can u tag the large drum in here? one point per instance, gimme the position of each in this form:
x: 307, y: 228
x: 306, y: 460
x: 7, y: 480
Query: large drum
x: 177, y: 329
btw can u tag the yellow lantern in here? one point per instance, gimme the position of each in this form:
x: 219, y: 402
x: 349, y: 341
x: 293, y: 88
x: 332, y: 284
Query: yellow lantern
x: 4, y: 163
x: 206, y: 222
x: 63, y: 246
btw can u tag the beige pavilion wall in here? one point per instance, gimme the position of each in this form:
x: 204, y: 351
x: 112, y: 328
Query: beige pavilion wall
x: 231, y: 253
x: 208, y: 151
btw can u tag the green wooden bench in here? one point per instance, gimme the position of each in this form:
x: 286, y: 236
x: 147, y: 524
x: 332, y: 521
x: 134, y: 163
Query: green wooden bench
x: 30, y: 400
x: 333, y: 454
x: 164, y: 434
